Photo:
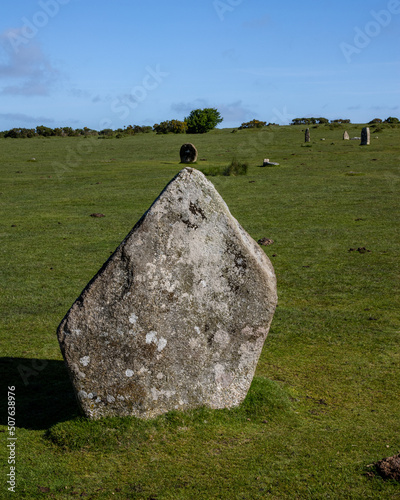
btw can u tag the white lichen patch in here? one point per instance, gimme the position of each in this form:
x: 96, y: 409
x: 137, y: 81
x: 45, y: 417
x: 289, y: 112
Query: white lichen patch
x: 85, y: 360
x: 197, y: 330
x: 160, y: 376
x: 82, y: 395
x: 133, y: 319
x: 151, y: 337
x: 129, y: 373
x: 110, y: 399
x: 156, y: 393
x: 160, y: 342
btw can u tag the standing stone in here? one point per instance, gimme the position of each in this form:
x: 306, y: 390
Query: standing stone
x: 307, y: 135
x: 188, y: 153
x: 365, y: 136
x: 346, y: 136
x: 177, y: 316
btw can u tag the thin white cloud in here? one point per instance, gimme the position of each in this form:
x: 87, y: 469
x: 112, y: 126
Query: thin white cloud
x: 26, y: 71
x: 22, y: 118
x: 236, y: 112
x: 185, y: 108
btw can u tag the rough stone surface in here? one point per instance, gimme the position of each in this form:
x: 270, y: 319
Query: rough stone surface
x: 346, y: 136
x: 188, y: 153
x: 177, y: 316
x: 365, y: 136
x: 307, y: 137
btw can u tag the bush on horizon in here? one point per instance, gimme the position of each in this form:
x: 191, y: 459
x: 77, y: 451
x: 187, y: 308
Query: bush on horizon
x: 201, y: 121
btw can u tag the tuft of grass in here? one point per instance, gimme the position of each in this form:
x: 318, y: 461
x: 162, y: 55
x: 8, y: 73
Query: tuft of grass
x: 236, y: 167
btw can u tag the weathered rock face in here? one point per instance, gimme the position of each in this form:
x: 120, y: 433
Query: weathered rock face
x: 178, y: 315
x: 365, y: 136
x: 188, y: 153
x: 307, y: 137
x: 346, y: 136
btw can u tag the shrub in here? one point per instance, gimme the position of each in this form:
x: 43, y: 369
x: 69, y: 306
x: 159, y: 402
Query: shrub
x: 253, y: 124
x: 170, y: 126
x: 107, y: 132
x: 201, y: 121
x: 44, y: 131
x: 309, y: 121
x: 19, y: 133
x: 392, y: 120
x: 137, y: 129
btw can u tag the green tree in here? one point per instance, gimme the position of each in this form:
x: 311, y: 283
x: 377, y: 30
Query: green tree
x: 392, y: 119
x: 202, y: 120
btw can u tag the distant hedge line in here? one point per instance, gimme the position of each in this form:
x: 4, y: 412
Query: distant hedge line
x: 195, y: 123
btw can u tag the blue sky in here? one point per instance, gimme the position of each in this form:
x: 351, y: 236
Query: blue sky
x: 110, y: 64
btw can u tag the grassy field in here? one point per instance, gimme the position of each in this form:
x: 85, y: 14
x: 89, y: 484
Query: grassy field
x: 324, y: 405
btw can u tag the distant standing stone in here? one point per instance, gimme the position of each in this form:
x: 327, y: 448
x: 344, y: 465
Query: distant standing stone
x: 365, y: 136
x: 188, y: 153
x: 346, y: 136
x: 307, y: 135
x: 177, y: 316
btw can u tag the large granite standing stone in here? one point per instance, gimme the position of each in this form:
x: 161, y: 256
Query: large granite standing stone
x: 365, y: 136
x: 177, y: 316
x: 307, y: 137
x: 346, y: 136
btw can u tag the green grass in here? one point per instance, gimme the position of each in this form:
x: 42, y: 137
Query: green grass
x: 324, y: 404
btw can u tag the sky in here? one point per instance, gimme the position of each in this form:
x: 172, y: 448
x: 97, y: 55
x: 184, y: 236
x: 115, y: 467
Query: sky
x: 110, y: 64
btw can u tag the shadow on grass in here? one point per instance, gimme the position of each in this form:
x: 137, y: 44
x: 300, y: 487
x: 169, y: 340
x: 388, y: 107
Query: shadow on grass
x: 43, y: 392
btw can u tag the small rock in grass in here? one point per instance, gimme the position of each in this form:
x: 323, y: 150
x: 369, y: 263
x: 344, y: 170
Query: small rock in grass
x: 265, y: 241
